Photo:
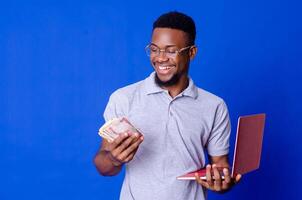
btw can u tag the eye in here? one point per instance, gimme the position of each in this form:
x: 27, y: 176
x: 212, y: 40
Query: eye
x: 171, y: 50
x: 153, y: 49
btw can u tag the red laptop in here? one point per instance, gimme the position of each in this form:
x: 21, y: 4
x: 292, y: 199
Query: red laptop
x: 248, y: 147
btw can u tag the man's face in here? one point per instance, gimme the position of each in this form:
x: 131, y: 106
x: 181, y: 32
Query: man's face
x: 170, y: 69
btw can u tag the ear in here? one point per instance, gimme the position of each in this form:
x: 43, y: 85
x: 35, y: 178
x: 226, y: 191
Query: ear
x: 192, y: 52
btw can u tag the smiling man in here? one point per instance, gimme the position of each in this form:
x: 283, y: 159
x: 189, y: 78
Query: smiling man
x: 180, y: 124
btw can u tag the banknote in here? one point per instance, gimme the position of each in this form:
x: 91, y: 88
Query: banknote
x: 112, y: 128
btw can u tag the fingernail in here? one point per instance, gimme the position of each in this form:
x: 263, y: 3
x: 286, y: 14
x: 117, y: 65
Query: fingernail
x: 126, y: 134
x: 214, y: 165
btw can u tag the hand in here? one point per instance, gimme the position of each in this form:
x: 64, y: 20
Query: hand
x: 124, y: 147
x: 214, y: 181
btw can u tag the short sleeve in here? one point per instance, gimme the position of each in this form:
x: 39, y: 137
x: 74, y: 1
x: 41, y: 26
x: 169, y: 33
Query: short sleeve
x: 116, y: 106
x: 218, y: 142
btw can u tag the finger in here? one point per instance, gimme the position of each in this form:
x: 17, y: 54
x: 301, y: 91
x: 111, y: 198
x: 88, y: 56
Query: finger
x: 133, y: 147
x: 126, y: 143
x: 227, y: 176
x: 209, y: 176
x: 116, y: 152
x: 130, y: 157
x: 134, y: 132
x: 200, y: 181
x: 117, y: 141
x: 227, y: 179
x: 138, y: 135
x: 237, y: 178
x: 217, y: 177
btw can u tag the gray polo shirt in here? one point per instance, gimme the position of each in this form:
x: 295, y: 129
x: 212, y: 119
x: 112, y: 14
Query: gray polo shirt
x: 177, y: 133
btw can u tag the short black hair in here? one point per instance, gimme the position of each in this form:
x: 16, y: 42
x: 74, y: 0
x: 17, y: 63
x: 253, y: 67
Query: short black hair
x: 177, y: 20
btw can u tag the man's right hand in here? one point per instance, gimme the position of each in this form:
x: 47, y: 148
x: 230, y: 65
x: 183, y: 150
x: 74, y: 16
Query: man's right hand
x: 123, y: 148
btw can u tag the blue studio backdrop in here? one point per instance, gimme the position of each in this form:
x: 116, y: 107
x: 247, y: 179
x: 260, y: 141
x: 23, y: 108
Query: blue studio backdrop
x: 61, y: 60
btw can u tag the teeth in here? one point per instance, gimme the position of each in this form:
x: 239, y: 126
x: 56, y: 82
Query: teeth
x: 164, y: 67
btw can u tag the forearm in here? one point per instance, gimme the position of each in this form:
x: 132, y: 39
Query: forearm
x: 105, y: 165
x: 220, y: 161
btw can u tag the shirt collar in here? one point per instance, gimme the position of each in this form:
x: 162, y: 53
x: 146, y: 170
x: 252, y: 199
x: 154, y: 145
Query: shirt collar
x: 150, y: 85
x: 152, y: 88
x: 191, y: 90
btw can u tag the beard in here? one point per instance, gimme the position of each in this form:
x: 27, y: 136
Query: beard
x: 173, y: 81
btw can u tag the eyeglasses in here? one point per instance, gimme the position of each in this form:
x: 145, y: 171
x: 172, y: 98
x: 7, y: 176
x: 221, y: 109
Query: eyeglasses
x: 171, y: 52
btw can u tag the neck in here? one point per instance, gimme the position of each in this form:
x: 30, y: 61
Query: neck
x: 180, y: 86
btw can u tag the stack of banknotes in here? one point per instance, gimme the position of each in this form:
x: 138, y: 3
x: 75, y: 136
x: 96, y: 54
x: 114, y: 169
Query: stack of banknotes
x: 112, y: 128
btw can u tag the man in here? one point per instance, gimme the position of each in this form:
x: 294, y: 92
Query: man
x: 179, y: 123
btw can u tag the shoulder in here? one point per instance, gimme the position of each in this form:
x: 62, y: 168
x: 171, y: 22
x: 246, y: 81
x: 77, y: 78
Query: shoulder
x: 127, y: 92
x: 213, y: 103
x: 209, y: 98
x: 120, y: 101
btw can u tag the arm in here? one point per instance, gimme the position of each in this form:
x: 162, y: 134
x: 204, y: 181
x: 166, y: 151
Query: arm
x: 218, y: 148
x: 106, y: 160
x: 112, y: 156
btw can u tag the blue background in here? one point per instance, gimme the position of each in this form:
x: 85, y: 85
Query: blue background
x: 60, y: 61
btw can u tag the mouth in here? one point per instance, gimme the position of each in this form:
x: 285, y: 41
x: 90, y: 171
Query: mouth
x: 164, y: 69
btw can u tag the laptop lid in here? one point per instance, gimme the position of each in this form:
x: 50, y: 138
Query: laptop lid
x: 248, y: 146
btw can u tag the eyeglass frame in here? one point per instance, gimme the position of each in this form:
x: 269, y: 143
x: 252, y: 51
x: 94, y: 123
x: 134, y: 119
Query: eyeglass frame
x: 177, y: 52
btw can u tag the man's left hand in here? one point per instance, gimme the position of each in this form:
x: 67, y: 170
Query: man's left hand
x: 214, y: 180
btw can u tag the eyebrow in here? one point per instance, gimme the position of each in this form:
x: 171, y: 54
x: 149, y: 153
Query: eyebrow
x: 171, y: 45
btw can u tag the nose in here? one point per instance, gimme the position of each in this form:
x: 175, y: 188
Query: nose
x: 162, y: 56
